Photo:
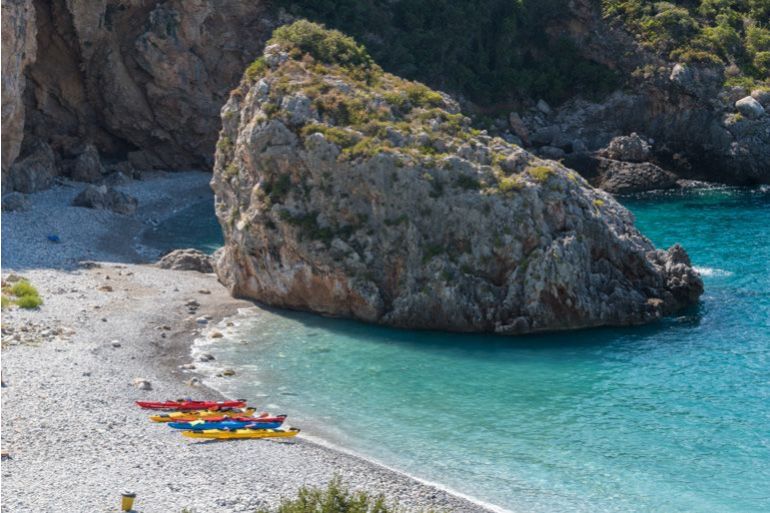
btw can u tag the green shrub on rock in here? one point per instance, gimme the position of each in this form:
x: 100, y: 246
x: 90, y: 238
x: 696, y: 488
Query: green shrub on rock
x: 509, y: 184
x: 256, y: 69
x: 540, y: 173
x: 327, y: 46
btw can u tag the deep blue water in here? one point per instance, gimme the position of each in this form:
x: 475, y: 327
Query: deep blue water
x: 671, y: 417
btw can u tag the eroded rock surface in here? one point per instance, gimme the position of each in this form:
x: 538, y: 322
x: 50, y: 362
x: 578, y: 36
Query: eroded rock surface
x: 350, y: 192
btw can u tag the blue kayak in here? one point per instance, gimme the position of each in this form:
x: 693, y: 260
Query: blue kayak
x: 224, y: 424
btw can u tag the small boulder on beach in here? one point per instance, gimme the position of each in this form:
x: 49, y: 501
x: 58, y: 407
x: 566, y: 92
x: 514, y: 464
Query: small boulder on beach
x: 106, y: 198
x: 141, y: 384
x: 187, y: 260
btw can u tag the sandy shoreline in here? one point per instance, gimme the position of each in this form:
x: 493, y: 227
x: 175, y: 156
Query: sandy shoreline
x: 73, y: 437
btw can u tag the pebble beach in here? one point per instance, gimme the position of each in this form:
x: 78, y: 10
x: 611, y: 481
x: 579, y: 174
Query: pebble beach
x: 114, y: 329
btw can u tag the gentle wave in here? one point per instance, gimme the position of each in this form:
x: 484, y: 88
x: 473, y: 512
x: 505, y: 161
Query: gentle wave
x: 711, y: 272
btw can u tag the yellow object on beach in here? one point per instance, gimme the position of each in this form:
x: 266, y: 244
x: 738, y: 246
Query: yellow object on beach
x: 127, y: 501
x: 189, y: 416
x: 223, y: 434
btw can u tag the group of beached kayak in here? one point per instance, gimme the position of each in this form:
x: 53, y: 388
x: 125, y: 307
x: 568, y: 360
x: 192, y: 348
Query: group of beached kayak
x: 224, y: 420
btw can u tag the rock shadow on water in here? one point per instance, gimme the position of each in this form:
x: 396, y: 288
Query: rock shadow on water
x: 485, y: 345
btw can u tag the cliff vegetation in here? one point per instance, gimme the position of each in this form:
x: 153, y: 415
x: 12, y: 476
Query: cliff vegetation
x: 731, y: 33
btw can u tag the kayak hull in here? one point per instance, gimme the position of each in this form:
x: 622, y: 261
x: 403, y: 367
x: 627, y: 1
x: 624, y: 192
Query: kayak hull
x: 220, y: 434
x: 202, y: 425
x: 192, y: 415
x: 190, y: 405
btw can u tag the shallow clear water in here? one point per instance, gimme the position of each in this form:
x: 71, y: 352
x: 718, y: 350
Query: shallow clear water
x: 673, y: 417
x: 195, y: 226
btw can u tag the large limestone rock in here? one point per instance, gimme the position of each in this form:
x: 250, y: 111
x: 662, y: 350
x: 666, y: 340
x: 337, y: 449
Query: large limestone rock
x: 350, y: 192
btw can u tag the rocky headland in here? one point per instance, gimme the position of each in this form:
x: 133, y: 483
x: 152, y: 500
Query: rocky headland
x: 348, y: 191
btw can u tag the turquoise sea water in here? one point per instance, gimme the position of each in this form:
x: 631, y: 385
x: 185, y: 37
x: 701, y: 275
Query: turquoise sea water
x: 672, y: 417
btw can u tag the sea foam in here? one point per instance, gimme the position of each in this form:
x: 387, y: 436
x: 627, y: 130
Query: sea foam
x: 711, y: 272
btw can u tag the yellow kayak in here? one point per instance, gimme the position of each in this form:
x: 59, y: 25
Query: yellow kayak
x: 223, y: 434
x: 190, y: 416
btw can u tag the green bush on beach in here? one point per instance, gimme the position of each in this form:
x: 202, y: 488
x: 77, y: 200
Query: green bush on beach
x: 29, y: 302
x: 23, y: 288
x: 22, y: 293
x: 335, y: 498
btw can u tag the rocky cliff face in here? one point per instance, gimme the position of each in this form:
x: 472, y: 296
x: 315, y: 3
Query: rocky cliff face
x: 142, y: 80
x: 694, y: 126
x: 697, y: 126
x: 19, y: 49
x: 350, y: 192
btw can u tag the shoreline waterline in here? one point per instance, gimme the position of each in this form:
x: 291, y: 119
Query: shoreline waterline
x: 206, y: 370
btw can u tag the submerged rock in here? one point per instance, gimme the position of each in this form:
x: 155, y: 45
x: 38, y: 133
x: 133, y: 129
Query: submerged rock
x: 350, y: 192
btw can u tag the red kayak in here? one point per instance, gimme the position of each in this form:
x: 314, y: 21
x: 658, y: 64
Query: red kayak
x: 184, y: 405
